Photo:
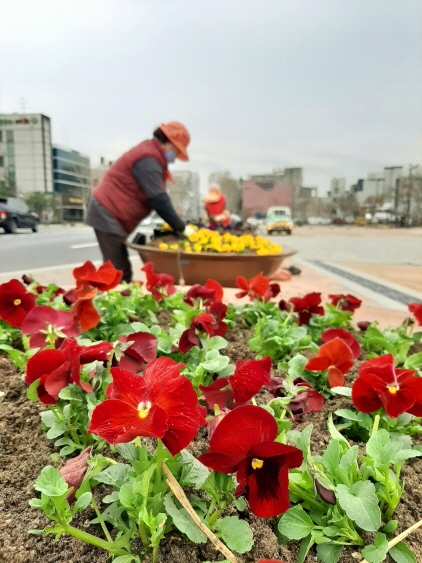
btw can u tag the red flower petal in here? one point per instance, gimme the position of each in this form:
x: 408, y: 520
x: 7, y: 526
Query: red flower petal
x: 217, y: 287
x: 237, y: 433
x: 41, y: 363
x: 335, y: 377
x: 15, y: 302
x: 249, y: 377
x: 85, y: 314
x: 416, y: 309
x: 348, y: 338
x: 364, y: 396
x: 214, y: 394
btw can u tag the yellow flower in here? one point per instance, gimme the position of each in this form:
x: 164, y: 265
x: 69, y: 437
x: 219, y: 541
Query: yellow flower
x: 163, y: 246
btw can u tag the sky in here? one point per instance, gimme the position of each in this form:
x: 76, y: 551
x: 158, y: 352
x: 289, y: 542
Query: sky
x: 332, y: 86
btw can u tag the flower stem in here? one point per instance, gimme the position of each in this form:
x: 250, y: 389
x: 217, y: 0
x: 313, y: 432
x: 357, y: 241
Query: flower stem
x: 375, y: 425
x: 100, y: 519
x: 304, y: 495
x: 159, y: 458
x: 93, y: 540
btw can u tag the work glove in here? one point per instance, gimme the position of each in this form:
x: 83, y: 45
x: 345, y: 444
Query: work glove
x: 189, y: 230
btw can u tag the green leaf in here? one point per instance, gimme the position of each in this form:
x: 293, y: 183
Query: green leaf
x: 51, y: 483
x: 360, y: 503
x: 303, y: 441
x: 334, y: 433
x: 183, y: 521
x: 128, y: 451
x: 390, y: 527
x: 295, y: 523
x: 377, y: 552
x: 329, y: 552
x: 127, y: 559
x: 362, y: 419
x: 305, y: 546
x: 193, y: 471
x: 383, y: 451
x: 236, y: 533
x: 345, y: 391
x: 414, y: 361
x: 402, y: 554
x: 82, y: 502
x: 115, y: 475
x: 31, y: 392
x: 331, y: 456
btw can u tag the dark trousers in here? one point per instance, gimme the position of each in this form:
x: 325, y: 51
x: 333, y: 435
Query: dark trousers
x: 113, y: 248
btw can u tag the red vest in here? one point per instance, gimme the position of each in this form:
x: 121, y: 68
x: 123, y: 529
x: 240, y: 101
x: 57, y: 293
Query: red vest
x: 120, y: 193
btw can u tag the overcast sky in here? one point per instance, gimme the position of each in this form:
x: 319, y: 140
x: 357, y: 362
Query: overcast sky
x: 332, y: 86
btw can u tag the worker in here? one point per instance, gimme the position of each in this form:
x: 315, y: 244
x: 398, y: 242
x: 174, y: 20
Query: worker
x: 134, y: 186
x: 215, y: 207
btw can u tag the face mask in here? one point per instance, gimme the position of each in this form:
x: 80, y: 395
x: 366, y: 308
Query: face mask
x: 170, y: 156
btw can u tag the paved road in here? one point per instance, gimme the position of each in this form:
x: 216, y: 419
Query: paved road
x: 52, y: 253
x: 357, y: 245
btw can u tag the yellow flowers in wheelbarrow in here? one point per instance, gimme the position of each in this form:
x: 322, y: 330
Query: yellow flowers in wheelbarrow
x: 206, y: 240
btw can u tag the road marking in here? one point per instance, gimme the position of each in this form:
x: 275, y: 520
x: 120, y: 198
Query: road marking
x: 85, y: 245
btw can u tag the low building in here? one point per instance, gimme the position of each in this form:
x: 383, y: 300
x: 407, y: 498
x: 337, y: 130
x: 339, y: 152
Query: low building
x: 25, y: 154
x: 258, y: 196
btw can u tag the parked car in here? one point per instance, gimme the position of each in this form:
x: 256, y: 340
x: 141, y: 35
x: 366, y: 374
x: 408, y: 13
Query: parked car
x: 15, y: 214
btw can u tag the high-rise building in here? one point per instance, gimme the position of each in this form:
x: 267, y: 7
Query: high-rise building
x: 25, y: 153
x: 184, y: 194
x: 71, y: 172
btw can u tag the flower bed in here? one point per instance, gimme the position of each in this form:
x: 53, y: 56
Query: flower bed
x: 262, y: 399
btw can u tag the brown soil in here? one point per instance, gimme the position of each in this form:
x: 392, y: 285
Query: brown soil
x: 25, y: 451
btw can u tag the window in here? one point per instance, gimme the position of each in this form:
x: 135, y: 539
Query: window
x: 1, y: 136
x: 1, y: 161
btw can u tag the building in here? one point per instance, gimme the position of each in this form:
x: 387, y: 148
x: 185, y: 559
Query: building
x: 71, y: 171
x: 184, y: 194
x: 337, y: 188
x: 379, y: 189
x: 284, y: 177
x: 229, y: 187
x: 98, y: 172
x: 258, y: 196
x: 25, y: 154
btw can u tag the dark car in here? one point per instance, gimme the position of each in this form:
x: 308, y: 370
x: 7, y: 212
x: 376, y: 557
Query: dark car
x: 15, y: 214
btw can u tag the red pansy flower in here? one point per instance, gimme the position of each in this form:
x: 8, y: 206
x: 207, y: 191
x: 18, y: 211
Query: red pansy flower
x: 159, y: 285
x: 104, y: 279
x: 57, y: 368
x: 416, y: 309
x: 161, y: 403
x: 305, y: 307
x: 305, y: 401
x: 199, y: 295
x: 348, y: 338
x: 363, y: 325
x: 380, y: 384
x: 273, y: 291
x: 204, y: 322
x: 42, y: 320
x: 142, y: 351
x: 243, y: 443
x: 217, y: 287
x: 255, y: 288
x: 85, y: 314
x: 336, y: 357
x: 248, y: 378
x: 15, y: 302
x: 218, y: 310
x: 345, y: 302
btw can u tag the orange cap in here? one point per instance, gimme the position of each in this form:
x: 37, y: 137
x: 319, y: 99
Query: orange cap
x: 213, y: 194
x: 177, y: 134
